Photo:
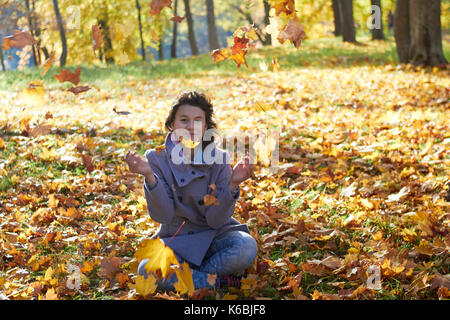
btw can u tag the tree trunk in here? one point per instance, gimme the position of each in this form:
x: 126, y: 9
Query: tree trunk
x: 426, y: 34
x: 348, y: 23
x: 30, y: 26
x: 435, y: 31
x: 138, y: 7
x: 377, y: 32
x: 173, y: 48
x: 268, y: 38
x: 37, y: 30
x: 191, y: 33
x: 161, y: 49
x: 2, y: 61
x: 402, y: 30
x: 62, y: 33
x: 418, y: 34
x: 337, y: 18
x: 212, y: 32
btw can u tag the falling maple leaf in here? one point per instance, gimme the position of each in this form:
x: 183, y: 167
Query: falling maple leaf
x: 283, y: 6
x: 18, y: 40
x: 210, y: 200
x: 157, y: 5
x: 189, y: 143
x: 97, y: 37
x: 177, y: 19
x: 220, y: 54
x: 48, y: 63
x: 67, y: 75
x: 160, y: 148
x: 275, y: 65
x: 160, y: 256
x: 293, y: 31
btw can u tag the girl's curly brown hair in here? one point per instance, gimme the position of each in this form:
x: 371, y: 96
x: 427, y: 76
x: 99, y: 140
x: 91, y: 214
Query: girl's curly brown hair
x: 196, y: 99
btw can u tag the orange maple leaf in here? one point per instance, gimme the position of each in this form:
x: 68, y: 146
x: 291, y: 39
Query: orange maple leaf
x: 97, y: 36
x: 157, y: 5
x: 280, y: 6
x: 293, y: 31
x: 18, y: 40
x: 177, y: 19
x: 67, y: 75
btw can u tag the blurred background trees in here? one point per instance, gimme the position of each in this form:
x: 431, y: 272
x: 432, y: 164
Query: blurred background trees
x: 131, y: 32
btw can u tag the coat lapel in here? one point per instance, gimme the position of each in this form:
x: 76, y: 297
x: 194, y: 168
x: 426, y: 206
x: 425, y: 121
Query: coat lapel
x: 184, y: 172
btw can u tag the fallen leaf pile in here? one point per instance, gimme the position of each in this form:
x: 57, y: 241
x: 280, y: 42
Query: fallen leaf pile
x: 358, y: 208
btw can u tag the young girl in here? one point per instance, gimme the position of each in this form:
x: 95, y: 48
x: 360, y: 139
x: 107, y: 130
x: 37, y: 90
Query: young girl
x: 176, y: 180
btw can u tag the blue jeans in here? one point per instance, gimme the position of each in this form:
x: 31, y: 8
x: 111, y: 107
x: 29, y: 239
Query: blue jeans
x: 231, y: 252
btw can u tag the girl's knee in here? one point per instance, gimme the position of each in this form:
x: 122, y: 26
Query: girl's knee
x: 249, y: 250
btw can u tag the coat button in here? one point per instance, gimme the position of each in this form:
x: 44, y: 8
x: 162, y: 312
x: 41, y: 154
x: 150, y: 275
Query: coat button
x: 182, y: 180
x: 201, y: 202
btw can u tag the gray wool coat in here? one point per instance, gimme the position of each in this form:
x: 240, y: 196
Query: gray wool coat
x: 178, y: 196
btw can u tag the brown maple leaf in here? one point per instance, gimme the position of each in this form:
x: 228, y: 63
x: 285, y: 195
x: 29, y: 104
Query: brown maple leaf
x: 97, y: 36
x: 220, y: 54
x: 293, y: 31
x: 18, y: 40
x: 87, y: 162
x: 109, y: 267
x: 177, y: 19
x: 77, y: 90
x: 67, y: 75
x: 286, y: 6
x: 157, y: 5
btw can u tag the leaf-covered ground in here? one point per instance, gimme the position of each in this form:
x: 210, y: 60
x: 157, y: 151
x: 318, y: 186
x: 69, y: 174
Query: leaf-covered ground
x: 362, y: 194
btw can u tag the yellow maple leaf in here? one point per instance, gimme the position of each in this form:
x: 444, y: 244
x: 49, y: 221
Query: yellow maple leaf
x: 48, y: 63
x: 160, y: 256
x: 144, y: 286
x: 47, y: 154
x: 185, y: 283
x: 189, y: 143
x: 49, y: 274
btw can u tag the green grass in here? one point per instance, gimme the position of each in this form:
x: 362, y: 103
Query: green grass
x: 320, y: 53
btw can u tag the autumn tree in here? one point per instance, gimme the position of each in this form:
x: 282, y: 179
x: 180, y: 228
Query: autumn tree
x: 138, y: 7
x: 347, y: 20
x: 377, y: 28
x: 191, y: 33
x: 418, y: 34
x: 173, y: 48
x: 337, y: 18
x: 212, y: 31
x: 62, y: 34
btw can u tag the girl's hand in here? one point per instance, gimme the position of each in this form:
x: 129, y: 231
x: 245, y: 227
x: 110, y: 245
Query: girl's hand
x: 241, y: 172
x: 138, y: 165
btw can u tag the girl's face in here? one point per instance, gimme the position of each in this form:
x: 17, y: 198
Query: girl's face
x: 192, y: 119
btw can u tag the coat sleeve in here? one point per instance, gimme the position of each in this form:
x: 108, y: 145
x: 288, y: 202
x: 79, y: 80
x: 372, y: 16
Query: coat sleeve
x: 160, y: 199
x: 217, y: 216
